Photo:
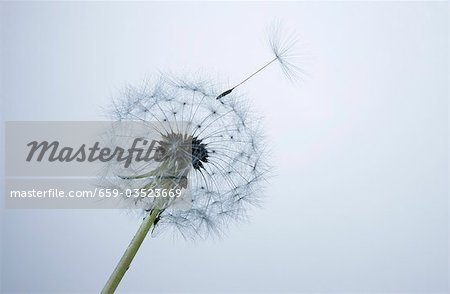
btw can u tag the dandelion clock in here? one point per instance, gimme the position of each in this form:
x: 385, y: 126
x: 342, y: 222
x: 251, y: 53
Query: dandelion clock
x: 210, y: 147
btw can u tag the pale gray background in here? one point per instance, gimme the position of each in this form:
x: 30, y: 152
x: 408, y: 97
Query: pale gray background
x: 359, y: 201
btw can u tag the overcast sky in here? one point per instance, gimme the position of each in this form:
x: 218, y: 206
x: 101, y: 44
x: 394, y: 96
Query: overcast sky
x: 359, y: 197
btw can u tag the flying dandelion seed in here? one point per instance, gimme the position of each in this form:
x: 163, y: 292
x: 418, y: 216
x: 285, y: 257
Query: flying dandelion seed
x: 226, y: 161
x: 284, y: 51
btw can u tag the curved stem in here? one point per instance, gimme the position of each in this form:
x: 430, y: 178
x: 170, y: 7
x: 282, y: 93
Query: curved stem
x: 129, y: 254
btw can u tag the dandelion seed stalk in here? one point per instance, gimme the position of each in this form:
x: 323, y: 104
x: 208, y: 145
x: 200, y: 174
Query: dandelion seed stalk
x: 129, y: 254
x: 246, y: 79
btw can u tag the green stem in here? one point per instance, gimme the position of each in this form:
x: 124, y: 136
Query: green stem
x: 129, y: 254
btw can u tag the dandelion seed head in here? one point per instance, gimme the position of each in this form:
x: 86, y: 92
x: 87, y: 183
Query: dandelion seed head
x: 226, y: 163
